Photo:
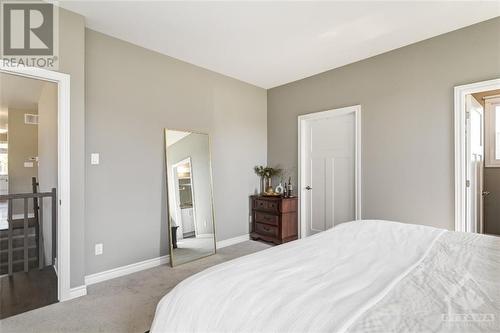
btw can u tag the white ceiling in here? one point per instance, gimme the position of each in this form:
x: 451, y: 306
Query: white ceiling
x: 17, y: 92
x: 174, y: 136
x: 273, y: 43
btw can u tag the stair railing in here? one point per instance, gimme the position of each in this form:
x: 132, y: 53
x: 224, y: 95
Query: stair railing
x: 39, y: 222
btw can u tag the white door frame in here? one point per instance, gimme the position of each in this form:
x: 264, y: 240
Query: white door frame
x: 176, y: 191
x: 63, y: 183
x: 460, y: 152
x: 356, y: 109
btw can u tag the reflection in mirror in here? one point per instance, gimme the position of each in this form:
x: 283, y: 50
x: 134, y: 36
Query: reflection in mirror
x: 189, y: 184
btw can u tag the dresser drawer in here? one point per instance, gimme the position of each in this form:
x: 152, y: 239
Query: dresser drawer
x: 274, y: 219
x: 260, y: 204
x: 267, y: 230
x: 272, y: 206
x: 261, y: 217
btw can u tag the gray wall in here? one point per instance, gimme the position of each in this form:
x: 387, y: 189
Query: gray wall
x: 23, y: 146
x: 195, y: 146
x: 47, y: 157
x: 407, y: 119
x: 132, y: 94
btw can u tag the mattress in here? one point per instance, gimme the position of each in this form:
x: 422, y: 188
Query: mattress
x: 361, y: 276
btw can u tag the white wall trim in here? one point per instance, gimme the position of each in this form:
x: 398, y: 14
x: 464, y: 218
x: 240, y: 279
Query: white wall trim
x: 356, y: 109
x: 232, y: 241
x: 205, y: 235
x: 146, y: 264
x: 150, y: 263
x: 77, y: 292
x: 64, y: 180
x: 460, y: 158
x: 125, y: 270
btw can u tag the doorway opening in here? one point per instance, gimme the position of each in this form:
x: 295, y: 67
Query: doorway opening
x: 38, y: 202
x: 28, y: 178
x: 329, y: 169
x: 477, y: 157
x: 185, y: 207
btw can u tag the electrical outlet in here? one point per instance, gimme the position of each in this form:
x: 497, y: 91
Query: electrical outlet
x: 94, y: 158
x: 98, y: 249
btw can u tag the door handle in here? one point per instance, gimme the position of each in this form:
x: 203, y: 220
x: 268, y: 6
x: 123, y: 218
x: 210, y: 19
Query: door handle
x: 308, y: 188
x: 486, y: 193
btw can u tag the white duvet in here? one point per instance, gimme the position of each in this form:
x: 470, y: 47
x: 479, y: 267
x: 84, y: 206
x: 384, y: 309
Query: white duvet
x: 363, y: 276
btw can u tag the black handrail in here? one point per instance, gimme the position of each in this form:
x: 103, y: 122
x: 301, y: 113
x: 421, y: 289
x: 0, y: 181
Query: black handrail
x: 5, y: 197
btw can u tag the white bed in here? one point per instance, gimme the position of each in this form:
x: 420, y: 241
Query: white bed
x: 363, y: 276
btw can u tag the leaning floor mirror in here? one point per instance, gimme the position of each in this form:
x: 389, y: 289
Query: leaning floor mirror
x: 189, y: 190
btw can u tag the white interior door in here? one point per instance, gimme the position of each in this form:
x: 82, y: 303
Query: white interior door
x: 474, y: 165
x: 328, y: 170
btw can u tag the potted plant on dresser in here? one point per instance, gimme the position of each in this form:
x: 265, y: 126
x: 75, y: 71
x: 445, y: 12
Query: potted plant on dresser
x: 274, y: 216
x: 266, y: 173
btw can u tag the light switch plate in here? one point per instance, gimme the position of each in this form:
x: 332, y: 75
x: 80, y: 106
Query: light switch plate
x: 98, y: 249
x: 94, y: 158
x: 28, y: 164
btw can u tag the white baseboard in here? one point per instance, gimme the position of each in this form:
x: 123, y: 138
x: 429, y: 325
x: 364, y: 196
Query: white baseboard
x: 205, y: 235
x: 125, y: 270
x: 232, y: 241
x: 77, y: 292
x: 150, y: 263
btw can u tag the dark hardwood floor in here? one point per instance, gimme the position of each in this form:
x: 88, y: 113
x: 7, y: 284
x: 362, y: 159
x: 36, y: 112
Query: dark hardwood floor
x: 27, y: 291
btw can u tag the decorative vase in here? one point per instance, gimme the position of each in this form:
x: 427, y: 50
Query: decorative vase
x: 279, y: 189
x: 269, y: 183
x: 265, y: 185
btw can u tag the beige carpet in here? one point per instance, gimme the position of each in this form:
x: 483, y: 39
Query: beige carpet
x: 125, y: 304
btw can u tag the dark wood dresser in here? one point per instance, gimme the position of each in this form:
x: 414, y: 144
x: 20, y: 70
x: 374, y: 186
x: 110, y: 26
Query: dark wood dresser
x: 274, y: 219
